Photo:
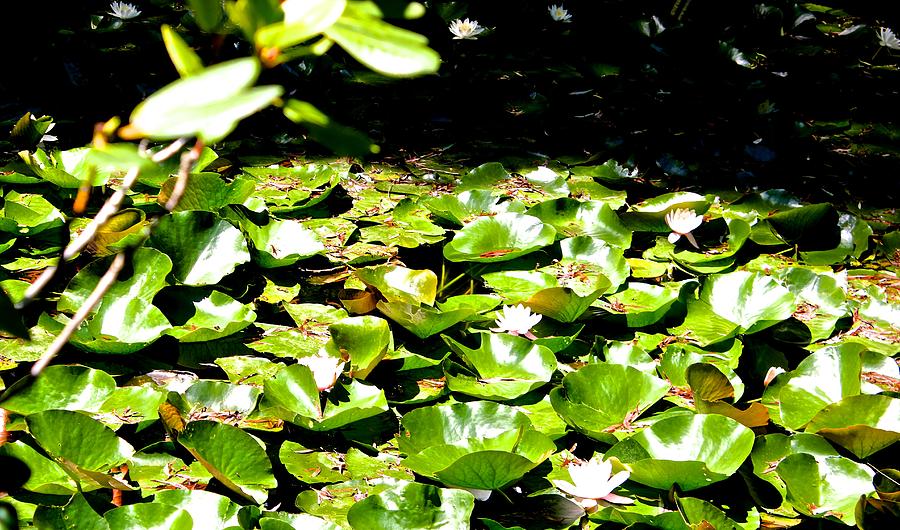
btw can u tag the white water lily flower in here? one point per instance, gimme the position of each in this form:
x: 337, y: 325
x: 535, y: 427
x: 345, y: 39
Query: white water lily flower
x: 887, y: 38
x: 559, y: 13
x: 682, y: 221
x: 594, y: 481
x: 123, y: 10
x: 517, y: 320
x: 325, y: 369
x: 465, y: 29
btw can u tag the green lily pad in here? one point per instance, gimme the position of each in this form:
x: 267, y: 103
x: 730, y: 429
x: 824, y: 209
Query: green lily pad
x: 561, y: 303
x: 293, y: 396
x: 642, y: 304
x: 30, y: 214
x: 129, y: 405
x: 863, y: 424
x: 123, y: 228
x: 826, y: 376
x: 738, y: 302
x: 77, y: 513
x: 204, y: 248
x: 399, y: 284
x: 311, y: 466
x: 828, y: 486
x: 214, y: 511
x: 207, y: 191
x: 215, y: 315
x: 692, y: 451
x: 771, y: 449
x: 126, y: 319
x: 466, y: 206
x: 572, y: 218
x: 366, y: 339
x: 424, y: 321
x: 502, y: 237
x: 287, y: 189
x: 854, y: 240
x: 280, y: 243
x: 481, y: 445
x: 234, y: 457
x: 208, y: 399
x: 46, y: 476
x: 62, y: 387
x: 84, y: 447
x: 599, y: 399
x: 248, y: 370
x: 148, y: 516
x: 503, y: 367
x: 413, y: 505
x: 577, y: 251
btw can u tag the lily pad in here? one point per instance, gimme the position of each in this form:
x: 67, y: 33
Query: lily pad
x: 399, y: 284
x: 572, y: 218
x: 481, y: 445
x: 828, y: 486
x: 234, y: 457
x: 61, y: 387
x: 148, y: 516
x: 215, y: 315
x: 293, y: 395
x: 599, y: 399
x: 502, y: 237
x: 204, y: 248
x: 503, y: 367
x: 413, y: 505
x: 863, y: 424
x: 692, y: 451
x: 365, y: 340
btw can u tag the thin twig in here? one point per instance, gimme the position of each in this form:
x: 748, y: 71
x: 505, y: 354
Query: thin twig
x: 184, y: 171
x: 106, y: 281
x: 109, y: 208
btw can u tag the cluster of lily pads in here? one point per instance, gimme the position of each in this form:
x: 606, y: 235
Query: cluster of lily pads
x: 330, y: 345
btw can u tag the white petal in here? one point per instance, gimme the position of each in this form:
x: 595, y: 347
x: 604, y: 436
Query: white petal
x: 674, y: 236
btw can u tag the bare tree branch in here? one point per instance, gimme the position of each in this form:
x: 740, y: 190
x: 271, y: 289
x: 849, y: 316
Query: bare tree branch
x: 106, y: 281
x: 188, y: 160
x: 109, y: 208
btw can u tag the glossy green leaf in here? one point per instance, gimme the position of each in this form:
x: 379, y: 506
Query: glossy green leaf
x: 148, y: 516
x: 208, y: 104
x: 382, y: 47
x: 826, y: 376
x: 366, y: 340
x: 502, y: 367
x: 825, y: 487
x: 215, y: 315
x: 499, y: 238
x: 293, y: 395
x: 77, y: 513
x: 692, y: 451
x: 45, y: 475
x: 863, y: 424
x: 599, y: 399
x: 573, y: 218
x: 85, y: 447
x: 399, y: 284
x: 413, y: 505
x: 234, y: 457
x: 302, y: 20
x: 213, y: 511
x: 466, y: 206
x: 424, y: 321
x: 185, y: 59
x: 61, y: 387
x: 203, y: 247
x: 641, y: 304
x: 207, y: 191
